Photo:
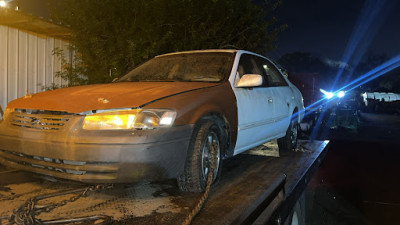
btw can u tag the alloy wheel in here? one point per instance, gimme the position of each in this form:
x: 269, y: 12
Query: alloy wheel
x: 211, y: 140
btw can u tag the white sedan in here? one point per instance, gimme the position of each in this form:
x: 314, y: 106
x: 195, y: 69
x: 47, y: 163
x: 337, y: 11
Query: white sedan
x: 171, y: 117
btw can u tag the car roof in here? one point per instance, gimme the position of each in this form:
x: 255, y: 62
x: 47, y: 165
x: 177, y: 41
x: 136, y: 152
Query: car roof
x: 213, y: 50
x: 202, y: 51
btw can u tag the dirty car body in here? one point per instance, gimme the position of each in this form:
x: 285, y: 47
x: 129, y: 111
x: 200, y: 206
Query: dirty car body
x: 141, y: 126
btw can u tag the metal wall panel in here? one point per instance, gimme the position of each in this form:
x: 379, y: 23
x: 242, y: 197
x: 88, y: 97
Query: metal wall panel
x: 67, y: 54
x: 41, y: 80
x: 12, y: 64
x: 27, y: 63
x: 3, y: 65
x: 22, y: 86
x: 57, y: 64
x: 49, y: 69
x: 32, y: 63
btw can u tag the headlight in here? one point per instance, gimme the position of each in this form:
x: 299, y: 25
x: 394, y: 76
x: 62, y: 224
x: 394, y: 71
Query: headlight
x: 327, y: 94
x: 129, y: 119
x: 341, y: 94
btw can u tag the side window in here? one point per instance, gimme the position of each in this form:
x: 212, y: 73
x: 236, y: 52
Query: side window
x: 249, y: 64
x: 273, y: 76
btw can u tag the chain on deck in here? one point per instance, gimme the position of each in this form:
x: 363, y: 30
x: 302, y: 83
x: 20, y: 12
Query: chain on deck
x: 27, y: 213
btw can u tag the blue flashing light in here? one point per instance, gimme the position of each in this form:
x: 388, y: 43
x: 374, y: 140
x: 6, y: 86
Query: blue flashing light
x: 327, y: 94
x: 365, y: 78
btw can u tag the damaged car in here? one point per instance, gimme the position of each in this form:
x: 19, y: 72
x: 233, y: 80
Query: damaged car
x: 170, y: 117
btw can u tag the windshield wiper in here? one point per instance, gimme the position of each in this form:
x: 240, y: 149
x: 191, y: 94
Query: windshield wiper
x: 159, y: 80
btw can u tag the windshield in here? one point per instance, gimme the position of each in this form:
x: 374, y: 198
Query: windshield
x: 186, y: 67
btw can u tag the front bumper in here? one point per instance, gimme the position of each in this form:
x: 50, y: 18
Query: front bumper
x: 96, y: 156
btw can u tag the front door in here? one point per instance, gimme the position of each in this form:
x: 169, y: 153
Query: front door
x: 255, y: 107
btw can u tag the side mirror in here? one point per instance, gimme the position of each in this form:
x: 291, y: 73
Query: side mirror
x: 250, y: 80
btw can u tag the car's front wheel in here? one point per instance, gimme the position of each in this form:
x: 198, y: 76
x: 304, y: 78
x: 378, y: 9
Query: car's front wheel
x: 205, y: 147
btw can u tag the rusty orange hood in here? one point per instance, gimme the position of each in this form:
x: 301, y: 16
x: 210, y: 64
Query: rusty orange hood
x: 104, y: 96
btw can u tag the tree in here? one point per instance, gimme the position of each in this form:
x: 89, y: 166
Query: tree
x: 304, y: 62
x: 72, y: 69
x: 113, y: 36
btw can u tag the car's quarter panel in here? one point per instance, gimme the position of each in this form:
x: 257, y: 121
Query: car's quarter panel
x: 283, y: 100
x: 94, y: 156
x: 191, y: 106
x: 297, y: 102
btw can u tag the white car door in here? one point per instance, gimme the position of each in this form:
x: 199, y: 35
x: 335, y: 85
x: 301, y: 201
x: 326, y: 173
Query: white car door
x: 255, y: 108
x: 282, y: 95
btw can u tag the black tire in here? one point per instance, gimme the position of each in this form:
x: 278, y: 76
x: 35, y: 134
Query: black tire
x: 197, y: 164
x: 289, y: 141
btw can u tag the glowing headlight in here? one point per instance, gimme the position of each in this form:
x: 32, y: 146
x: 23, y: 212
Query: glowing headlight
x: 3, y: 3
x: 327, y: 94
x: 341, y: 94
x: 129, y: 119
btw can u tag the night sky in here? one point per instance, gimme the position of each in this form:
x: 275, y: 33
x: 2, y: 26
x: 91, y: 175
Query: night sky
x: 321, y: 27
x: 325, y: 27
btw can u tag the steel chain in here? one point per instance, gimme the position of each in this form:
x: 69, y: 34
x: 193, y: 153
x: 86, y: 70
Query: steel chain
x: 210, y: 175
x: 26, y: 213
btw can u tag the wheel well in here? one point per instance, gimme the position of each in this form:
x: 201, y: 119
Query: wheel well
x: 295, y: 113
x: 227, y: 150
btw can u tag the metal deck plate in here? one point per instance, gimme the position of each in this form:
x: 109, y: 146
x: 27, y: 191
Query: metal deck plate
x: 244, y: 178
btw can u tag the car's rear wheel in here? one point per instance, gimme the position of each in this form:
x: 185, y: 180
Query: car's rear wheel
x: 205, y: 144
x: 289, y: 141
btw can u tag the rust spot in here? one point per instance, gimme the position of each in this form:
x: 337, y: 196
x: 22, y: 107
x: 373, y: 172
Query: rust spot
x: 103, y: 100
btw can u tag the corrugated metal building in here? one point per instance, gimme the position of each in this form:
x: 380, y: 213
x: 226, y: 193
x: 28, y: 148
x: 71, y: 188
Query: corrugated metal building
x: 27, y: 62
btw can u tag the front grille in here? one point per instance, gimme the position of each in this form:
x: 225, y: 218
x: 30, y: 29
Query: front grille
x: 40, y: 119
x: 54, y: 168
x: 58, y: 165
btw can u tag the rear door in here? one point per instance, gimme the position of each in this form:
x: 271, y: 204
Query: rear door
x: 282, y: 96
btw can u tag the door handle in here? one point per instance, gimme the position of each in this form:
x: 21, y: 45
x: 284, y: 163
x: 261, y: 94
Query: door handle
x: 270, y: 100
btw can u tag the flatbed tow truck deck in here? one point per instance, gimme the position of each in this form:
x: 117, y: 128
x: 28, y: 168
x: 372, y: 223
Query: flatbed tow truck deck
x: 255, y: 187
